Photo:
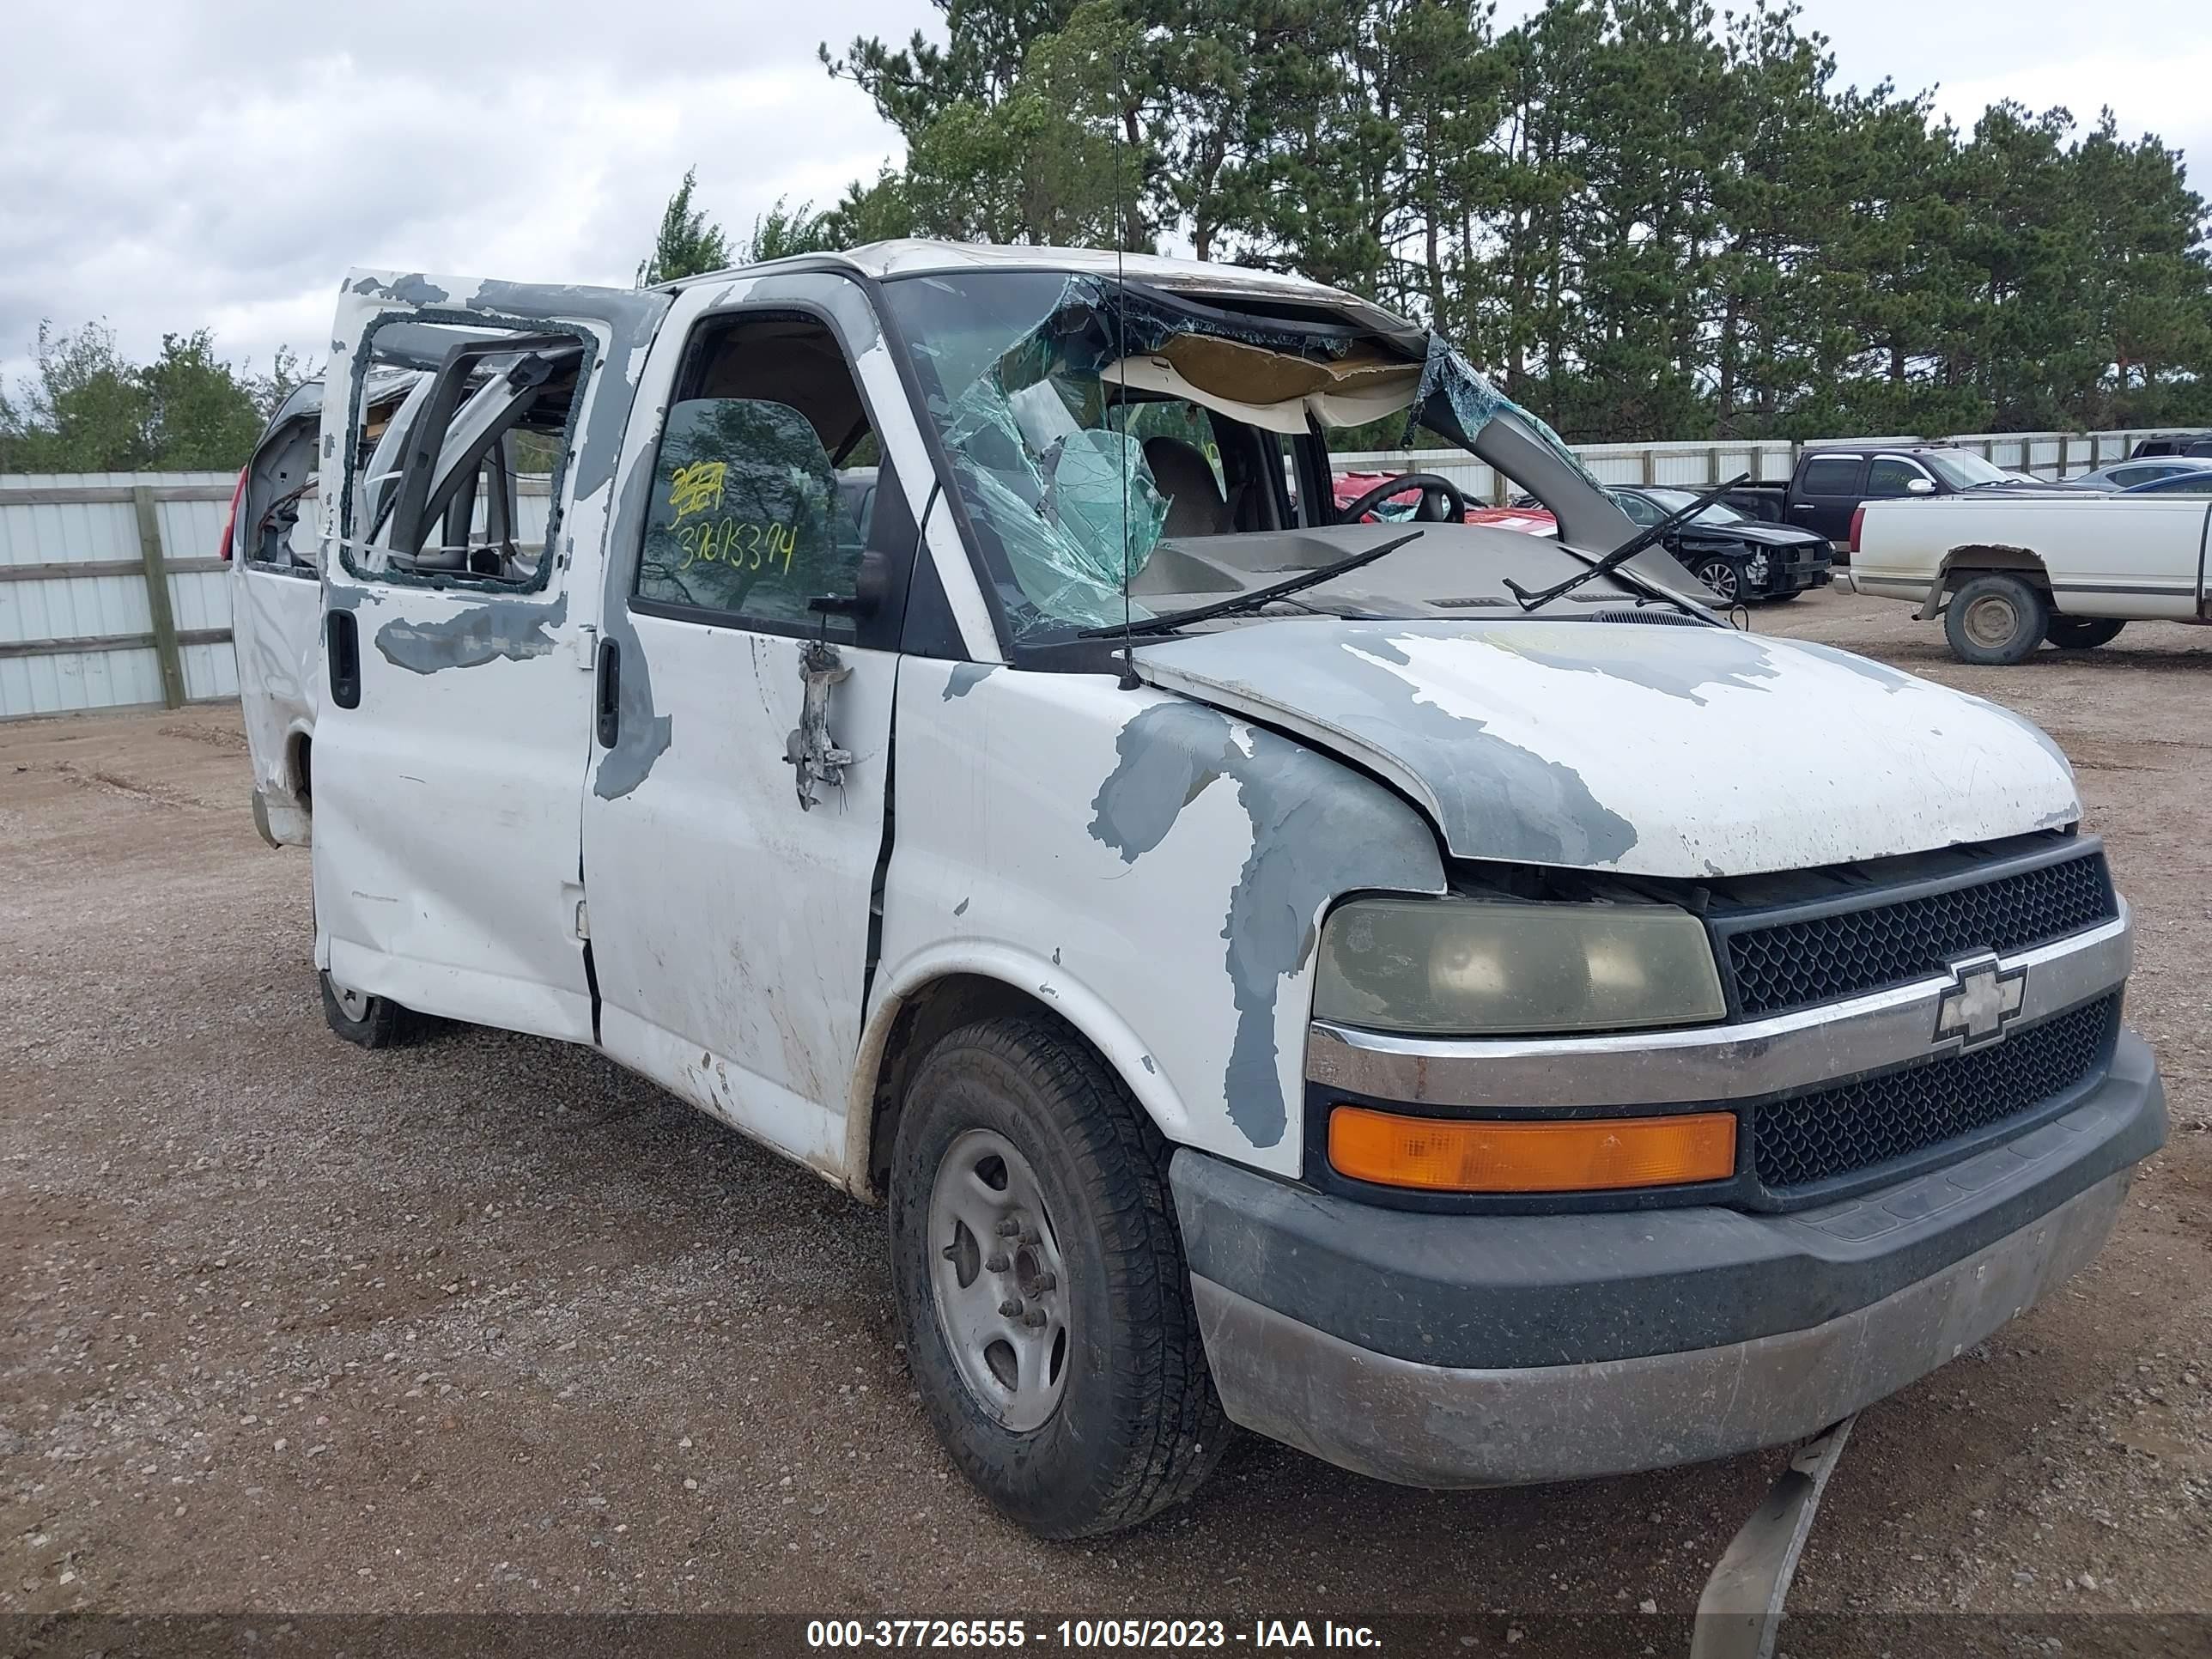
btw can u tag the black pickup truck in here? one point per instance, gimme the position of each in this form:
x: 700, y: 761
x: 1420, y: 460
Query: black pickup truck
x: 1832, y: 480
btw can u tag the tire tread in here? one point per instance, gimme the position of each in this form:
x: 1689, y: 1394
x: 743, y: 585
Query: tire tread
x: 1121, y: 1159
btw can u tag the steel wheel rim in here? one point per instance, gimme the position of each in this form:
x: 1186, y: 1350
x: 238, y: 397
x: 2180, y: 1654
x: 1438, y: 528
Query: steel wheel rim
x: 1980, y: 615
x: 998, y: 1281
x: 354, y: 1005
x: 1721, y: 578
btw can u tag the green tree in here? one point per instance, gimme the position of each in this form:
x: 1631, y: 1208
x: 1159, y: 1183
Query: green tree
x: 783, y: 231
x: 2145, y: 304
x: 1033, y: 152
x: 201, y: 413
x: 688, y: 245
x: 87, y: 408
x: 288, y: 370
x: 83, y: 409
x: 1652, y: 221
x: 873, y: 212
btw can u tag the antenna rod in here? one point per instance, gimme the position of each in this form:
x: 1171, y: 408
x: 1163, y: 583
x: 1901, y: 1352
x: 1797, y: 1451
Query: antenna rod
x: 1129, y: 680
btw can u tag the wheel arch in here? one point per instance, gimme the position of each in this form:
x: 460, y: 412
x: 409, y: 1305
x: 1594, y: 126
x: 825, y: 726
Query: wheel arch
x: 299, y: 764
x: 1982, y: 558
x: 930, y: 998
x: 1976, y: 557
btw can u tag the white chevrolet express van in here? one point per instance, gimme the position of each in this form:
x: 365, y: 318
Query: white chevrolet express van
x: 924, y: 707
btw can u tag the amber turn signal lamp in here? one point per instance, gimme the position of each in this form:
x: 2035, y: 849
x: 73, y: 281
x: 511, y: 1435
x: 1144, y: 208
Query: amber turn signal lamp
x: 1455, y: 1155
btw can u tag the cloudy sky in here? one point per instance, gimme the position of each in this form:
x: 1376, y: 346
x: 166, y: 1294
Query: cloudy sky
x: 220, y: 163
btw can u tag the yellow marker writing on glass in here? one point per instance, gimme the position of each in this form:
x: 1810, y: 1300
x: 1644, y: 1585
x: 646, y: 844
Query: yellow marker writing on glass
x: 696, y: 487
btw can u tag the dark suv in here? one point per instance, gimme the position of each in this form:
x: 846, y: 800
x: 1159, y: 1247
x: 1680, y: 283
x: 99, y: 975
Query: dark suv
x: 2172, y: 443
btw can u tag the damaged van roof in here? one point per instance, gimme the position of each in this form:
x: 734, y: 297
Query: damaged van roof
x: 910, y: 257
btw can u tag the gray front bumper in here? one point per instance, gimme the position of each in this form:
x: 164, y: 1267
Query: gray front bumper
x: 1495, y: 1350
x: 1436, y: 1425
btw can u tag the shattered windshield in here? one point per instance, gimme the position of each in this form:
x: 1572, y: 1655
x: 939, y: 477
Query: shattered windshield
x: 1090, y: 425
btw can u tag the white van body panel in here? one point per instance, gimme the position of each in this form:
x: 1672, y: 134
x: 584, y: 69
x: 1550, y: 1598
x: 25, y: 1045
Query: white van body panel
x: 277, y: 604
x: 448, y: 836
x: 1148, y: 866
x: 277, y: 616
x: 2129, y: 557
x: 1638, y: 748
x: 732, y: 947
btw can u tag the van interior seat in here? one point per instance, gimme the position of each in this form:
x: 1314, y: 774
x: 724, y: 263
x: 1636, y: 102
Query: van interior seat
x: 1185, y: 476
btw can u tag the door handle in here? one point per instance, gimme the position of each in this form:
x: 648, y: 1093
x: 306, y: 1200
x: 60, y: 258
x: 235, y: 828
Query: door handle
x: 344, y: 636
x: 608, y: 702
x: 1801, y: 507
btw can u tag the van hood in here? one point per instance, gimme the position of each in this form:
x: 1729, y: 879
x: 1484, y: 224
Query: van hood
x: 1651, y: 749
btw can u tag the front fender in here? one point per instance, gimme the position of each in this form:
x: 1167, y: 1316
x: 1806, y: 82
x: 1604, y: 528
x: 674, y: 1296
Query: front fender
x: 1049, y: 983
x: 1154, y: 868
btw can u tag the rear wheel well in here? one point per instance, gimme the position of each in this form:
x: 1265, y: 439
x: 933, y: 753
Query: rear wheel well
x: 1961, y: 563
x: 928, y: 1016
x: 302, y: 769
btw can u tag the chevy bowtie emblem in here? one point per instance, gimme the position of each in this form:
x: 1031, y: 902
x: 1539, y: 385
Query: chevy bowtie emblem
x: 1982, y: 998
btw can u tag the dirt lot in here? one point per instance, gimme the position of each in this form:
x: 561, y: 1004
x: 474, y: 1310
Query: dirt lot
x: 488, y: 1325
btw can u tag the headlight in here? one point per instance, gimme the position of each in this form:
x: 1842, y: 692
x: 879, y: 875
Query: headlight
x: 1476, y: 968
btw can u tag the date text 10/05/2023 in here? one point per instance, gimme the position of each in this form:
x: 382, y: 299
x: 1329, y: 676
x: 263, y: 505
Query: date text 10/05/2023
x: 1086, y: 1634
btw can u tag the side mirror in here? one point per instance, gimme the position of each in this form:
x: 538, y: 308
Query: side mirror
x: 1919, y: 487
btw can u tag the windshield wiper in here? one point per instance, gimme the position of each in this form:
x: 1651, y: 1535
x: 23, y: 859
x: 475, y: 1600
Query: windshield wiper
x: 1253, y: 600
x: 1648, y: 536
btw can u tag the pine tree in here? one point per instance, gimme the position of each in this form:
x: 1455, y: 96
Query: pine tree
x: 688, y: 244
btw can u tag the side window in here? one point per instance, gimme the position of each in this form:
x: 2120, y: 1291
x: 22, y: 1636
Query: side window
x: 280, y: 503
x: 765, y: 480
x: 461, y: 433
x: 1887, y: 475
x: 1639, y: 511
x: 1831, y: 475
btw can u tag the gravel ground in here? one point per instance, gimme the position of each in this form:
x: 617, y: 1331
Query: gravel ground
x: 488, y: 1325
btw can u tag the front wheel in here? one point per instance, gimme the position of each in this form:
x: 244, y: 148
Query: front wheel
x: 2082, y: 633
x: 1721, y: 578
x: 1994, y: 620
x: 1041, y: 1283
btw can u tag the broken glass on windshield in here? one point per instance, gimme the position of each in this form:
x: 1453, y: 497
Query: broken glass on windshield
x: 1084, y: 422
x: 1075, y: 508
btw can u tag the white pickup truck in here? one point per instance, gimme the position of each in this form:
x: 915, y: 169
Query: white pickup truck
x: 1405, y: 987
x: 2008, y: 573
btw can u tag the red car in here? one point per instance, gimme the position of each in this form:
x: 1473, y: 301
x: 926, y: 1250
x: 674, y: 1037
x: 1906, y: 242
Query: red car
x: 1349, y: 487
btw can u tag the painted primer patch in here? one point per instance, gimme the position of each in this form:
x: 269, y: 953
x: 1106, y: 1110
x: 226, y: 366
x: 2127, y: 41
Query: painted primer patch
x: 1316, y: 833
x: 509, y: 628
x: 965, y: 677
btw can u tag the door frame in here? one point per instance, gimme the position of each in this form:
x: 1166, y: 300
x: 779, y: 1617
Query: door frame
x: 447, y: 861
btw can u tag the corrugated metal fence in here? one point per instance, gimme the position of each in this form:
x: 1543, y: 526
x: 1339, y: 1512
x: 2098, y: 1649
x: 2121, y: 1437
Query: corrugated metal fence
x: 111, y: 593
x: 2051, y: 455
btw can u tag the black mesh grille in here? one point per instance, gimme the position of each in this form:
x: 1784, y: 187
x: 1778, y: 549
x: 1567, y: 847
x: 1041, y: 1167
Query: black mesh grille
x: 1858, y: 1125
x: 1795, y: 964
